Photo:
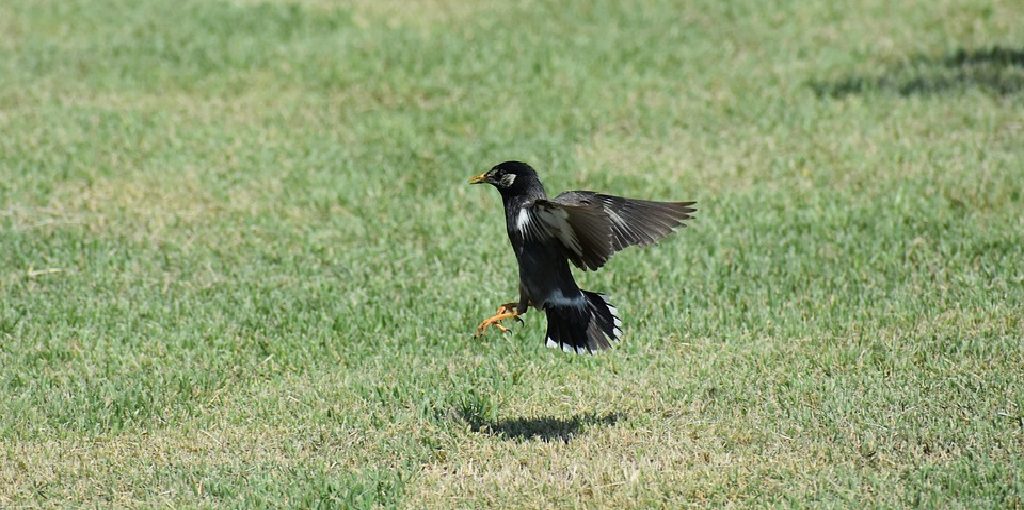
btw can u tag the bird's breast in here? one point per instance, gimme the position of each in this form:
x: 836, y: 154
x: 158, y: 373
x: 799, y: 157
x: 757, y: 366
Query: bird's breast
x: 543, y: 269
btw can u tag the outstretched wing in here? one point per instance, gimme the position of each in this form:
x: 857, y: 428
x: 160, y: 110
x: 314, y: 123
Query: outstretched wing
x: 582, y: 229
x: 634, y: 222
x: 592, y: 226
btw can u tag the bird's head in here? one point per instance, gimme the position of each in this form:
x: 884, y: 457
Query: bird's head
x: 511, y: 178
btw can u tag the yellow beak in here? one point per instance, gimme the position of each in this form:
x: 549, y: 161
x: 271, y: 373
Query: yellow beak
x: 478, y: 179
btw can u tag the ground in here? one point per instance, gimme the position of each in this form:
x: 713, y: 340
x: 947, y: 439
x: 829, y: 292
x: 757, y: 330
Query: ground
x: 240, y: 266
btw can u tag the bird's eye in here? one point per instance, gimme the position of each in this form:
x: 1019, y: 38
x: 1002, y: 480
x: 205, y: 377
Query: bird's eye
x: 507, y: 180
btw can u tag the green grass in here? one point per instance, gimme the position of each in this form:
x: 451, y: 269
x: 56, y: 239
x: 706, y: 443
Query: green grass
x: 240, y: 267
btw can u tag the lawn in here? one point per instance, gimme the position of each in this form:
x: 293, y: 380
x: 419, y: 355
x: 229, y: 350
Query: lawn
x: 240, y: 265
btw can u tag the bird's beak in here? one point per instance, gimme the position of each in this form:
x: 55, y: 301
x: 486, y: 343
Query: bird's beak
x: 478, y: 179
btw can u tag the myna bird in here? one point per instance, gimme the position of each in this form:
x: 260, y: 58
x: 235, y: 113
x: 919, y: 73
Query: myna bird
x: 579, y: 226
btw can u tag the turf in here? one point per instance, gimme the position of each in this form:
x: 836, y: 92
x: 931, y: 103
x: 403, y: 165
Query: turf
x: 240, y: 267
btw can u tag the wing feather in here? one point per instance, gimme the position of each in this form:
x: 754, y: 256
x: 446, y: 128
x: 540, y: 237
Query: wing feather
x: 583, y: 230
x: 593, y: 226
x: 635, y: 222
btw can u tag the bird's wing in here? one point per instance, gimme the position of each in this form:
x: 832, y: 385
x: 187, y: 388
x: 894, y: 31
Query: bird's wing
x: 634, y: 222
x: 582, y: 229
x: 593, y: 226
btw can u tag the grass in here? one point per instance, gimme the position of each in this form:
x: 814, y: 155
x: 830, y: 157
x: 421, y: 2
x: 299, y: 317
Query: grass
x: 239, y: 266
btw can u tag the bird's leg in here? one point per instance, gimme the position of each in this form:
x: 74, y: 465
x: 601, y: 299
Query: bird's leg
x: 505, y: 311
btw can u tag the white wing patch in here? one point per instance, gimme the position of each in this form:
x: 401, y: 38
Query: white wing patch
x: 530, y: 225
x: 523, y: 220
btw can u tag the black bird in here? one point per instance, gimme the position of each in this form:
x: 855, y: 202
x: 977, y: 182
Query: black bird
x: 579, y: 226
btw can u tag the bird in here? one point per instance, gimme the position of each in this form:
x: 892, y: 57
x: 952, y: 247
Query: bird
x: 582, y: 227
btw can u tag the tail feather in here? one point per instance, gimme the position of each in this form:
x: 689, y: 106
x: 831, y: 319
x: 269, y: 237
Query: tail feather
x: 591, y: 327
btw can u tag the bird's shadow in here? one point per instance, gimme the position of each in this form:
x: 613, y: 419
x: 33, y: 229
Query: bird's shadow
x: 997, y: 70
x: 544, y: 428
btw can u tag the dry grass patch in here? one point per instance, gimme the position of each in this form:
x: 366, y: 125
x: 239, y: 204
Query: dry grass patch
x: 617, y: 465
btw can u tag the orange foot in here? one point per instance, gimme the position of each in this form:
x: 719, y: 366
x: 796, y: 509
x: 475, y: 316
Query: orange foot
x: 505, y: 311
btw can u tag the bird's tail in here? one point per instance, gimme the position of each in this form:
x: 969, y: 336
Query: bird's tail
x: 585, y: 328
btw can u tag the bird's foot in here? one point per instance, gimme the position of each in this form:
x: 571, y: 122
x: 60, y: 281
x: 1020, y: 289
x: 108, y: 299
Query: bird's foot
x: 505, y: 311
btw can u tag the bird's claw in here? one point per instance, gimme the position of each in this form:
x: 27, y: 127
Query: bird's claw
x: 505, y: 311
